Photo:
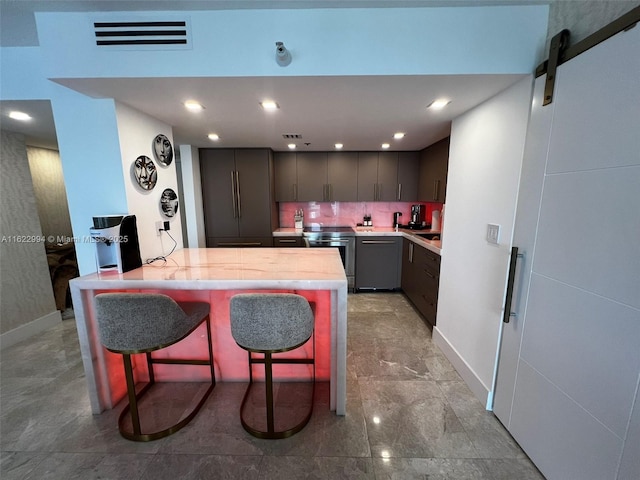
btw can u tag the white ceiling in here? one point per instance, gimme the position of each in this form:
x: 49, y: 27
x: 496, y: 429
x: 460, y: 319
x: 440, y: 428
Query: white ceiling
x: 360, y: 112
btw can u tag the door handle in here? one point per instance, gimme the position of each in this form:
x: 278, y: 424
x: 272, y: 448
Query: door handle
x: 233, y: 194
x: 238, y: 193
x: 510, y: 281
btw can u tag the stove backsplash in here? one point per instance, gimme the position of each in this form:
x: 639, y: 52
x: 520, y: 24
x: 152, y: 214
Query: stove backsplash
x: 350, y: 213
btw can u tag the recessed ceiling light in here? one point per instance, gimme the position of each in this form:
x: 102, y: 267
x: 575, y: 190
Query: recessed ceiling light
x: 292, y: 146
x: 269, y: 105
x: 398, y: 135
x: 193, y: 106
x: 385, y: 145
x: 438, y: 104
x: 339, y: 146
x: 19, y: 115
x: 214, y: 136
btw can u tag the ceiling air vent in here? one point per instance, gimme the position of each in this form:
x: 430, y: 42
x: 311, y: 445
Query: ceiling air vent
x: 159, y: 33
x: 291, y: 135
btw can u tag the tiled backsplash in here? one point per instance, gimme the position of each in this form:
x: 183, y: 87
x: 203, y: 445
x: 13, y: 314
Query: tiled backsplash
x: 350, y: 213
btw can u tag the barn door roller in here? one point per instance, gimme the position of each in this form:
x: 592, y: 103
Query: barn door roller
x: 559, y: 43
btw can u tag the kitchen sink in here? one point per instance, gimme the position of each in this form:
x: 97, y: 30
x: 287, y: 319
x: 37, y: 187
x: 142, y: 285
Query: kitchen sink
x: 428, y: 236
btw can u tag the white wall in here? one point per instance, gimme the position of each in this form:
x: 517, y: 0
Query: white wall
x: 136, y: 132
x: 28, y: 305
x: 50, y: 192
x: 192, y: 192
x: 372, y: 41
x: 485, y: 158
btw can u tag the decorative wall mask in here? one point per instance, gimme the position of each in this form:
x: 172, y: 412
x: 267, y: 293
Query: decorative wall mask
x: 145, y: 172
x: 169, y: 202
x: 162, y: 150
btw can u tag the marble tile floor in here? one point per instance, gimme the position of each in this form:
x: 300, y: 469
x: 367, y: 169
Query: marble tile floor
x: 409, y: 416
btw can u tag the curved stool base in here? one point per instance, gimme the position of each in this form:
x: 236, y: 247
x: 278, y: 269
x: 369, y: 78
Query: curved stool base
x: 271, y: 433
x: 147, y: 437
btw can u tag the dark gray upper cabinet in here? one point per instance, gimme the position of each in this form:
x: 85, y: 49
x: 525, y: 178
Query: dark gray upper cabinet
x: 312, y: 176
x: 408, y: 168
x: 388, y: 176
x: 434, y: 163
x: 237, y: 191
x: 342, y: 176
x: 317, y: 177
x: 286, y: 176
x: 367, y: 176
x: 346, y: 176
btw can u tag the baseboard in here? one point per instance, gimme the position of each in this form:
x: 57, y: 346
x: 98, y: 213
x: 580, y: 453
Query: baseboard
x: 27, y: 330
x: 462, y: 367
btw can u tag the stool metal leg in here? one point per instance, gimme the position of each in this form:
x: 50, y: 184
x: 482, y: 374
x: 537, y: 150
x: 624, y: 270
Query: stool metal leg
x: 268, y: 378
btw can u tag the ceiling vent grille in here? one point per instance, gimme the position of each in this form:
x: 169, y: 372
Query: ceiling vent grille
x: 160, y: 33
x: 291, y: 135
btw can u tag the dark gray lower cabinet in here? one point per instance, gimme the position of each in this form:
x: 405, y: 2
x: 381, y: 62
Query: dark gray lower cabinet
x: 378, y: 263
x: 420, y: 278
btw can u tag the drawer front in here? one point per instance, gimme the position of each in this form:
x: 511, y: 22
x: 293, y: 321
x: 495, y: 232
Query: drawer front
x: 242, y: 242
x: 426, y: 259
x: 288, y: 242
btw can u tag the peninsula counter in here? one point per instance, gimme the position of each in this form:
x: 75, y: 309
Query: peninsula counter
x: 214, y: 275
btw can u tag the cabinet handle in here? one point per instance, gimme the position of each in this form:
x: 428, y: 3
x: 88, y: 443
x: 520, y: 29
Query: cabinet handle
x: 411, y: 253
x: 295, y: 191
x: 238, y: 193
x: 233, y: 194
x: 378, y: 242
x: 436, y: 189
x: 510, y: 281
x: 429, y: 274
x: 287, y: 241
x: 399, y: 191
x: 240, y: 244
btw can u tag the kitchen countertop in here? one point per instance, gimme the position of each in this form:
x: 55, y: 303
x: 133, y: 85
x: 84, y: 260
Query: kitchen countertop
x: 433, y: 245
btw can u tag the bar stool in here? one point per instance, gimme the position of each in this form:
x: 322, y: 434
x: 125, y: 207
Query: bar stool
x: 131, y: 323
x: 269, y: 323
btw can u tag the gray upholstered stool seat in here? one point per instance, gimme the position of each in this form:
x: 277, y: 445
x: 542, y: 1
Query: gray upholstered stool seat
x: 131, y: 323
x: 269, y: 323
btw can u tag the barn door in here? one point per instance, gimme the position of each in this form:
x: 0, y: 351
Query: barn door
x: 569, y: 366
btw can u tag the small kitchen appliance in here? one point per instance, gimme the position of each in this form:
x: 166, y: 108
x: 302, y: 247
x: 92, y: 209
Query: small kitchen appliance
x: 395, y: 219
x: 417, y: 217
x: 116, y: 240
x: 298, y: 219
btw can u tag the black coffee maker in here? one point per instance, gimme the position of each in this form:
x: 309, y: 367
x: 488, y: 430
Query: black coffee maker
x: 417, y: 216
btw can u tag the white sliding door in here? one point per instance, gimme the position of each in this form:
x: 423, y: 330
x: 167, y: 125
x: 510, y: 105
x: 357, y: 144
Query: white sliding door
x: 569, y: 365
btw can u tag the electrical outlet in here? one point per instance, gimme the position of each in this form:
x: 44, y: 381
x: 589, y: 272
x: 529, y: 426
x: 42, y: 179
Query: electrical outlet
x: 159, y: 228
x: 167, y: 226
x: 493, y: 233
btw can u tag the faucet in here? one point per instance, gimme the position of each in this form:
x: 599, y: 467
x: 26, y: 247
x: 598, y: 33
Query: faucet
x: 395, y: 218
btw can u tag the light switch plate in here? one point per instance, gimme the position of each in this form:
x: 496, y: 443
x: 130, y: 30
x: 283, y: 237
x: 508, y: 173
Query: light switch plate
x: 493, y: 233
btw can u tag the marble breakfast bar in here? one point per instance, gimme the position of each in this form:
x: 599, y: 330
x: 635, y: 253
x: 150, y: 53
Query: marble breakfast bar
x: 214, y: 276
